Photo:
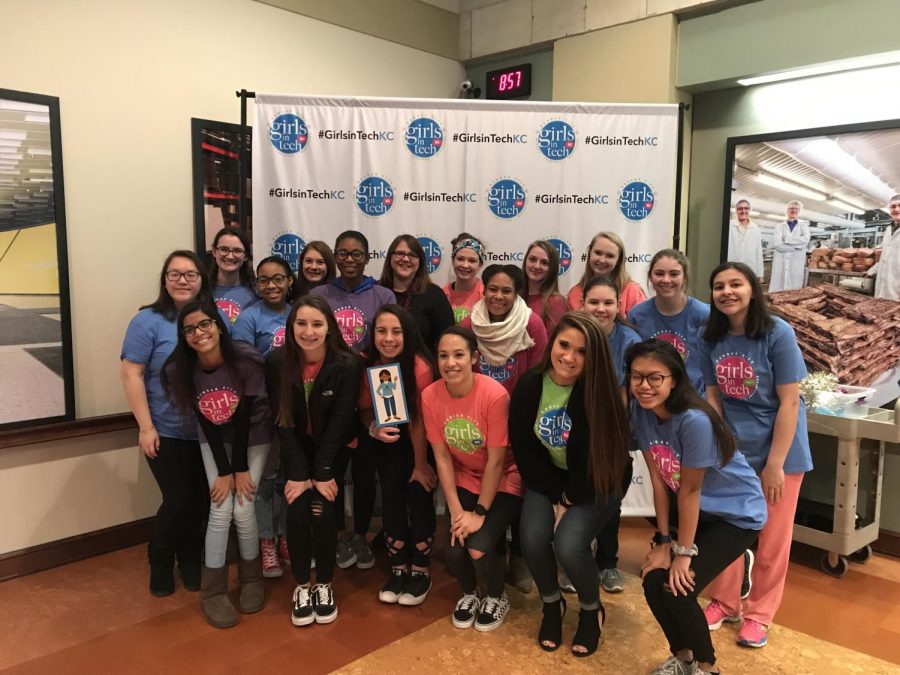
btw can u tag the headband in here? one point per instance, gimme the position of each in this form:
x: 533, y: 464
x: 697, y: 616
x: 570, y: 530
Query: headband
x: 473, y: 244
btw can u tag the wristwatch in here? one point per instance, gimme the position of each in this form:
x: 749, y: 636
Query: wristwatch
x: 659, y: 538
x: 480, y: 510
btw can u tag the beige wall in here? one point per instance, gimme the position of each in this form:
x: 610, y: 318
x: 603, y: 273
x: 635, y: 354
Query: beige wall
x: 129, y: 76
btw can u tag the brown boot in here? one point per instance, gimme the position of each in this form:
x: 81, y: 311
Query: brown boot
x: 214, y: 602
x: 253, y: 594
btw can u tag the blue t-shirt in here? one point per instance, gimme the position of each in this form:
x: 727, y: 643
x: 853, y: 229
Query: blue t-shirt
x: 732, y: 492
x: 747, y: 372
x: 232, y: 300
x: 149, y: 340
x: 620, y: 339
x: 261, y: 327
x: 682, y: 331
x: 386, y: 389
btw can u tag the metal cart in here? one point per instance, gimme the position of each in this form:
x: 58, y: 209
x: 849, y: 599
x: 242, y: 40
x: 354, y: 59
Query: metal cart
x: 846, y: 541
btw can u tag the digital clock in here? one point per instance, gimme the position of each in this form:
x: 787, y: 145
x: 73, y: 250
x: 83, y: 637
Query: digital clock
x: 512, y: 82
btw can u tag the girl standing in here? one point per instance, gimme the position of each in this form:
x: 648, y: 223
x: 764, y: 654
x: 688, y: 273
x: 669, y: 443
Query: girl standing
x: 673, y: 315
x: 693, y: 462
x: 511, y: 338
x: 170, y: 448
x: 467, y: 289
x: 313, y: 383
x: 405, y: 273
x: 541, y: 270
x: 405, y: 469
x: 222, y: 384
x: 606, y: 258
x: 466, y: 421
x: 752, y: 367
x: 231, y: 273
x: 601, y: 299
x: 316, y: 266
x: 571, y: 441
x: 262, y: 325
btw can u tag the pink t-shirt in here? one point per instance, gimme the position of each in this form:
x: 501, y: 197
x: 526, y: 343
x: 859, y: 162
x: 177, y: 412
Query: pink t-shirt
x: 556, y: 307
x: 462, y: 302
x: 630, y: 296
x: 468, y: 426
x: 508, y: 373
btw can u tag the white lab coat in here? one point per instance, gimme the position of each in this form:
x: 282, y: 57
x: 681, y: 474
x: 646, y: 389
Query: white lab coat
x: 789, y: 258
x: 746, y: 246
x: 887, y: 281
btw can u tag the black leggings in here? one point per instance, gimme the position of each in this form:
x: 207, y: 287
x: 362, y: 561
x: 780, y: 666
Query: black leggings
x: 491, y: 539
x: 719, y: 544
x: 362, y: 471
x: 180, y: 520
x: 407, y: 509
x: 311, y: 533
x: 607, y: 555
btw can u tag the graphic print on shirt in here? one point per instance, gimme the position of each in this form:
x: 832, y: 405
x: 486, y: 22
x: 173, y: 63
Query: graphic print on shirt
x: 229, y: 308
x: 353, y: 324
x: 218, y: 405
x: 675, y: 339
x: 461, y: 312
x: 736, y: 376
x: 667, y: 462
x: 553, y: 426
x: 277, y: 339
x: 502, y: 373
x: 463, y: 435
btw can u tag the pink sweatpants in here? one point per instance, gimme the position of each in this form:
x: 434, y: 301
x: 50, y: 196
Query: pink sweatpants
x: 770, y: 568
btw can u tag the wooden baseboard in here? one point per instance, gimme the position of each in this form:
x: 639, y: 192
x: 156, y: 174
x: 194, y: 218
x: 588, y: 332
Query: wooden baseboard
x: 888, y: 543
x: 56, y: 553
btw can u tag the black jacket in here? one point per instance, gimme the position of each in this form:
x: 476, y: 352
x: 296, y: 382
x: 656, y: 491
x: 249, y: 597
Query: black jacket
x: 538, y: 471
x: 431, y: 311
x: 331, y: 409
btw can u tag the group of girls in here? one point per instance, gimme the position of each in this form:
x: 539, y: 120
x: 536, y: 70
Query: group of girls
x: 709, y: 395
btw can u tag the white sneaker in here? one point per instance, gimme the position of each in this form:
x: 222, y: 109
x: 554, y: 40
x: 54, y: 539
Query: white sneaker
x: 302, y: 611
x: 467, y: 608
x: 493, y: 611
x: 323, y: 603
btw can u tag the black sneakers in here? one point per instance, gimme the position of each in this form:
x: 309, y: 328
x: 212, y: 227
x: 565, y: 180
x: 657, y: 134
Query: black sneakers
x: 302, y: 611
x: 467, y: 608
x: 393, y: 587
x: 416, y: 589
x: 493, y: 611
x: 324, y: 607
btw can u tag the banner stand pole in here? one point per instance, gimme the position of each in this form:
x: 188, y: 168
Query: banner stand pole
x: 679, y: 158
x: 243, y: 152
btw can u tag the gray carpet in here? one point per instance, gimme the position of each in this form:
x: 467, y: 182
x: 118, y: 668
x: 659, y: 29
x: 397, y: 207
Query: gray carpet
x: 24, y: 327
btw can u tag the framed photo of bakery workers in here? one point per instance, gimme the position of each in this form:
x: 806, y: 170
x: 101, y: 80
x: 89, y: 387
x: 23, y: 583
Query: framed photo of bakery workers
x: 388, y: 396
x: 815, y: 213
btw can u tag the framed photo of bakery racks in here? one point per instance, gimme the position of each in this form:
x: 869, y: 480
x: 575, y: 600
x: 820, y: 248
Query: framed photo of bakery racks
x: 809, y: 211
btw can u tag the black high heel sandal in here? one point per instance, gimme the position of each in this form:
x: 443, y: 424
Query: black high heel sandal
x: 551, y: 625
x: 587, y: 635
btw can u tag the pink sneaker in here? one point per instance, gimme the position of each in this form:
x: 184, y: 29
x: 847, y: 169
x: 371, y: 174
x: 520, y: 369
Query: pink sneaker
x: 271, y: 568
x: 283, y: 550
x: 753, y: 634
x: 715, y: 614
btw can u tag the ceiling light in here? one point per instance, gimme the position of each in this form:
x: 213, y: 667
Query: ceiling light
x: 9, y: 144
x: 21, y: 106
x: 10, y: 172
x: 8, y: 155
x: 41, y: 180
x: 846, y: 206
x: 38, y: 151
x: 40, y: 170
x: 45, y: 119
x: 10, y: 135
x: 793, y: 188
x: 843, y: 65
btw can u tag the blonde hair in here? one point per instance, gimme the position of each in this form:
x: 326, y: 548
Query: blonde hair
x: 619, y: 274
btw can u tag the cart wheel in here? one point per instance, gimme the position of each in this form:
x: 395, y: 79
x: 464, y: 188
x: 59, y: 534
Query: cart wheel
x: 838, y: 570
x: 862, y: 555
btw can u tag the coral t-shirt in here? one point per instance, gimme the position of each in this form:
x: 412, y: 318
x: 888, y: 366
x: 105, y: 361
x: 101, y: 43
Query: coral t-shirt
x: 462, y: 302
x: 629, y: 296
x: 468, y: 426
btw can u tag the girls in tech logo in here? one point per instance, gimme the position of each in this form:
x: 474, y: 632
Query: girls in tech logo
x: 374, y: 196
x: 287, y: 246
x: 636, y: 200
x: 736, y: 376
x: 506, y: 198
x: 424, y: 137
x: 288, y: 133
x: 556, y: 140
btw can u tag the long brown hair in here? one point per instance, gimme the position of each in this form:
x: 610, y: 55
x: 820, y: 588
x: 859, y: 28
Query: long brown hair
x: 609, y: 433
x: 550, y: 284
x: 619, y: 273
x: 294, y: 357
x: 323, y: 250
x: 421, y: 281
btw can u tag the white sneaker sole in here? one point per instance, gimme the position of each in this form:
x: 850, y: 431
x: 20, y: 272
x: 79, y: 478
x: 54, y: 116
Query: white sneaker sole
x: 725, y: 619
x: 487, y: 628
x: 304, y: 621
x: 462, y: 624
x: 327, y: 619
x: 408, y: 600
x: 390, y: 598
x: 349, y: 562
x: 364, y: 565
x: 273, y: 573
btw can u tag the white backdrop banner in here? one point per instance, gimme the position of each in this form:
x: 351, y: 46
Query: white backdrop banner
x: 508, y: 172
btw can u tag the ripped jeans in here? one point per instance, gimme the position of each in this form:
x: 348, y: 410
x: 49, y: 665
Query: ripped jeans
x: 312, y: 533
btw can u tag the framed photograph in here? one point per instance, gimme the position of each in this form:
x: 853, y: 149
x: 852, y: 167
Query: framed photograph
x: 388, y: 397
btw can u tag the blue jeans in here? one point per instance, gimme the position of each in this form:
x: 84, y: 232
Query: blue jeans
x: 571, y: 543
x: 271, y: 509
x: 390, y: 406
x: 244, y: 515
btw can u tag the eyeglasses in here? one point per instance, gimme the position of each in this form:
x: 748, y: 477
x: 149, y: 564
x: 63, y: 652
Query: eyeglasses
x: 356, y: 254
x: 236, y: 252
x: 277, y: 279
x: 655, y: 380
x: 204, y: 326
x: 175, y: 275
x: 409, y: 255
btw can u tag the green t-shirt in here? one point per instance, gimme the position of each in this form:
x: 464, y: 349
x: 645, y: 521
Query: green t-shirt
x: 553, y: 425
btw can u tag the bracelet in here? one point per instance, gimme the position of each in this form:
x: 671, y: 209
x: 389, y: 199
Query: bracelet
x: 683, y: 550
x: 372, y: 428
x: 660, y: 538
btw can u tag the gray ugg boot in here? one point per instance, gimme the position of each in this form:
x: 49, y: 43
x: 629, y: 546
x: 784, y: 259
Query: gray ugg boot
x: 253, y: 593
x: 214, y: 602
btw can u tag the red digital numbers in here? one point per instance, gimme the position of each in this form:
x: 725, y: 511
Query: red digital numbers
x: 510, y: 81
